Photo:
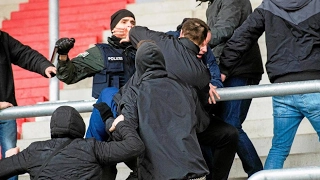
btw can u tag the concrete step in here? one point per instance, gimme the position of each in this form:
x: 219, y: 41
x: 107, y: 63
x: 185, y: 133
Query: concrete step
x: 293, y: 161
x: 162, y: 7
x: 261, y: 108
x: 74, y: 94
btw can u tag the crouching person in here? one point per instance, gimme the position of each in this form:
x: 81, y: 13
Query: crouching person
x: 67, y: 155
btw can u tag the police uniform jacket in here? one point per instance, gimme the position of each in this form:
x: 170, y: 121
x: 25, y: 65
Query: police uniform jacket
x: 111, y: 65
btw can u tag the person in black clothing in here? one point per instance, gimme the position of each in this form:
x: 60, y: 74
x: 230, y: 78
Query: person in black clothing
x: 13, y: 52
x: 224, y: 17
x: 76, y: 158
x: 166, y: 118
x: 182, y: 58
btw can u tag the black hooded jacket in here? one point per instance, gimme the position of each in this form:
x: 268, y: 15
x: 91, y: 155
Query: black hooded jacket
x: 167, y: 115
x: 180, y: 55
x: 81, y: 159
x: 292, y: 30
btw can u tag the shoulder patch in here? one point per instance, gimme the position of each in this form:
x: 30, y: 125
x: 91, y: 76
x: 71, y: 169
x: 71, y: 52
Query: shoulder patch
x: 84, y: 54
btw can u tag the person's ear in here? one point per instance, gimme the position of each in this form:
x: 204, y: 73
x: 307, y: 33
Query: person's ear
x: 181, y: 33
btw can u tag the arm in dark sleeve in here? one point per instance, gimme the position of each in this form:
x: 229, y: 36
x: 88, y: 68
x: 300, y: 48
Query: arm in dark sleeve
x: 139, y: 33
x: 129, y: 147
x: 202, y: 116
x: 84, y: 65
x: 13, y: 165
x: 26, y: 57
x: 128, y: 108
x: 242, y: 40
x: 228, y: 20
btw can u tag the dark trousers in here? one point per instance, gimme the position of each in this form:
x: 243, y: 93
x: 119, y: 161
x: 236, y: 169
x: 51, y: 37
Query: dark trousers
x: 234, y: 113
x: 219, y: 145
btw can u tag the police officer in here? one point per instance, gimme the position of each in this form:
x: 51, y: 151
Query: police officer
x: 111, y: 65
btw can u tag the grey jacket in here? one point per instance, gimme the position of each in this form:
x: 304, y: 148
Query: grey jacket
x: 292, y: 30
x: 223, y: 18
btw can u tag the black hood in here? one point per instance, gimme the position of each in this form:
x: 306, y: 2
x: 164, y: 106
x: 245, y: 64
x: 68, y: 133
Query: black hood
x: 67, y: 122
x: 150, y: 62
x: 291, y: 5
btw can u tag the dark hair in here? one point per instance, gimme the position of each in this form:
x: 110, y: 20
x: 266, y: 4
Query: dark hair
x: 196, y: 30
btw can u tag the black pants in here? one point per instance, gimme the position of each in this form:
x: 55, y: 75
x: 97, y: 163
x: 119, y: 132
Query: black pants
x: 219, y: 145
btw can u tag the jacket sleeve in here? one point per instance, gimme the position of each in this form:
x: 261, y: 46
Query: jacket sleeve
x: 213, y: 68
x: 129, y: 147
x: 241, y: 41
x: 228, y: 20
x: 202, y: 116
x: 84, y: 65
x: 139, y: 33
x: 26, y: 57
x: 13, y: 165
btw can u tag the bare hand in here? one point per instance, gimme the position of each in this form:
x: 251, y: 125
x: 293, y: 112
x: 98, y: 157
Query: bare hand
x: 223, y: 77
x: 115, y: 122
x: 123, y: 34
x: 213, y: 94
x: 4, y: 105
x: 49, y: 70
x: 12, y: 151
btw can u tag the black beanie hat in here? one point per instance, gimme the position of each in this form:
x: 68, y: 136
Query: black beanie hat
x: 117, y: 16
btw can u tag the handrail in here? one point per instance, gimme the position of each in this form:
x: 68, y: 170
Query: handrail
x: 44, y: 109
x: 267, y: 90
x: 232, y: 93
x: 303, y: 173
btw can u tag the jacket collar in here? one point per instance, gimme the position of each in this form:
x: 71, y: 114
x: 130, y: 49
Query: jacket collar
x: 190, y: 45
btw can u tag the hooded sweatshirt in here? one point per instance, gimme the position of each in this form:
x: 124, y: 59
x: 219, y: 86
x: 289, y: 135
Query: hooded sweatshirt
x: 292, y: 30
x: 167, y: 115
x: 81, y: 159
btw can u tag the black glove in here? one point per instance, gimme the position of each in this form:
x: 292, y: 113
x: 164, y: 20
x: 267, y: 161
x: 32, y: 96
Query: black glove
x: 104, y: 110
x: 64, y: 45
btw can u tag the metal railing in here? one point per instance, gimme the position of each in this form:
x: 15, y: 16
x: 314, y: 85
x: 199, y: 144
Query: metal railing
x: 288, y: 174
x: 234, y: 93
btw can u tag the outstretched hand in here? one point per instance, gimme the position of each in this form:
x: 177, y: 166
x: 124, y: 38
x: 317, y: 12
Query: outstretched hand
x: 51, y: 71
x: 213, y: 94
x: 4, y: 105
x: 115, y: 122
x: 12, y: 151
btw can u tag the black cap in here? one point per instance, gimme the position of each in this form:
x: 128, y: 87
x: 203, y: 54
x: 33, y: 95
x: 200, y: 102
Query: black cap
x: 117, y: 16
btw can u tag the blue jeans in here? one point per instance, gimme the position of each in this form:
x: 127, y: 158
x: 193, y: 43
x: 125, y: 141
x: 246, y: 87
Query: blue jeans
x: 235, y: 112
x: 8, y: 137
x: 288, y: 112
x: 96, y: 127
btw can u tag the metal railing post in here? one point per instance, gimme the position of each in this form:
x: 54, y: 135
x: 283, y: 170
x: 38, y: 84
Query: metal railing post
x: 53, y: 37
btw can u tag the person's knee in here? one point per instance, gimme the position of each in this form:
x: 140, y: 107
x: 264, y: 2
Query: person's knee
x: 232, y: 133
